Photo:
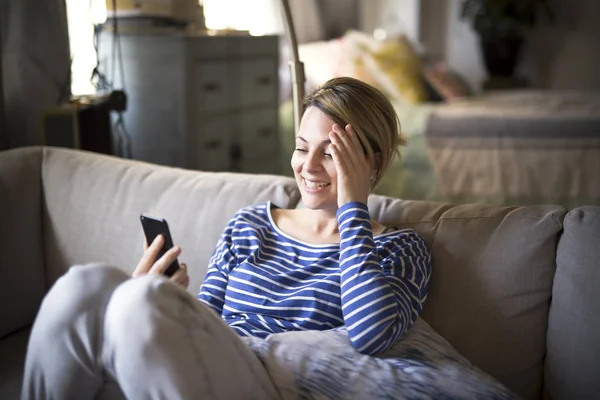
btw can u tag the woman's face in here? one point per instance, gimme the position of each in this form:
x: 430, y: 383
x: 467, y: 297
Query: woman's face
x: 313, y: 166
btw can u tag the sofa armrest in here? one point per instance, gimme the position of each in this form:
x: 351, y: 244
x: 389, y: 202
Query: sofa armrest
x: 573, y: 339
x: 22, y: 276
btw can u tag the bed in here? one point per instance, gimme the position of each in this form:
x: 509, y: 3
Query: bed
x: 511, y: 147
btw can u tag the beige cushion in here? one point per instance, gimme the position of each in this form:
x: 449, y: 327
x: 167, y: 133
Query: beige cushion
x: 492, y: 278
x: 95, y: 216
x: 22, y: 284
x: 573, y: 360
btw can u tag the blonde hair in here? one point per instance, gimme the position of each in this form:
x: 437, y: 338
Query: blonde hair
x: 350, y: 101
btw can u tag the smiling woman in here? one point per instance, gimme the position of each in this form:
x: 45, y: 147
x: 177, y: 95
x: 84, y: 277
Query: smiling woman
x: 274, y: 271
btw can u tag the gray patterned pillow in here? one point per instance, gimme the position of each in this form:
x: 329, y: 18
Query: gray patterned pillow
x: 324, y: 365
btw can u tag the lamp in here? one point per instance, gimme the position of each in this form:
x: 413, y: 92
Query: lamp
x: 296, y: 67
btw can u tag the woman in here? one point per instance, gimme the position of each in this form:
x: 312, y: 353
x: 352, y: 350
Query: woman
x: 274, y: 270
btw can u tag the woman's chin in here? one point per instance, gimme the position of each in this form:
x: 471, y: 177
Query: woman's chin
x: 318, y: 202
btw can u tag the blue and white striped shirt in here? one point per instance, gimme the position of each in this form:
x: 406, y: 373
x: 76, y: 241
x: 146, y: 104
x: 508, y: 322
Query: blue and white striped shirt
x: 263, y: 281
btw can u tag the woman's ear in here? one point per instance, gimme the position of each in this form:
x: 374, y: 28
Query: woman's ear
x: 377, y: 162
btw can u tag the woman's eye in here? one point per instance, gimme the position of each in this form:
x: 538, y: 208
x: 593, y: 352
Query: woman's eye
x: 327, y: 155
x: 301, y: 150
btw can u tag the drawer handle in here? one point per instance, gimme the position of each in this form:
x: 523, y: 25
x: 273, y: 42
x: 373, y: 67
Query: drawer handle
x: 264, y: 80
x: 212, y: 87
x: 213, y: 144
x: 265, y: 132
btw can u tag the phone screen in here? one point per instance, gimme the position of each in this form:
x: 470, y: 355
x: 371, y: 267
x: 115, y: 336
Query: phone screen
x: 152, y: 228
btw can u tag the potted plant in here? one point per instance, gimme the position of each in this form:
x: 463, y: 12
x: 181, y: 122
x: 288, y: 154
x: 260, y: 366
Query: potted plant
x: 503, y: 26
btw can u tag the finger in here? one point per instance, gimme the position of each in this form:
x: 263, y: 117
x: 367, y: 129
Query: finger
x: 181, y: 277
x: 149, y: 256
x: 345, y: 138
x: 338, y: 159
x: 344, y: 149
x: 145, y: 244
x: 357, y: 145
x: 355, y: 139
x: 161, y: 265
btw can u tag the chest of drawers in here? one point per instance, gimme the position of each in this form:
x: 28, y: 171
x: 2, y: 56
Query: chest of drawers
x: 200, y: 102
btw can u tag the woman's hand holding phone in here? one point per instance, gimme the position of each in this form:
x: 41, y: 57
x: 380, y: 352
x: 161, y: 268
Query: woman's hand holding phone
x: 148, y: 266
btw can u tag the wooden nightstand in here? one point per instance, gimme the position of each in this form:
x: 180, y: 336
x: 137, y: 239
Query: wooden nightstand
x: 200, y: 102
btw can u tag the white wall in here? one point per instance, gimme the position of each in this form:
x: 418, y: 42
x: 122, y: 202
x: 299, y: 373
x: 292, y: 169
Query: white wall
x: 394, y: 16
x: 462, y: 47
x: 565, y: 55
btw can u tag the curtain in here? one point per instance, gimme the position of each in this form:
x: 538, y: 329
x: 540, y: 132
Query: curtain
x: 35, y: 66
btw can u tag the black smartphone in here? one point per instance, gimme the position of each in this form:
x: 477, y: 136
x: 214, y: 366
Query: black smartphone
x: 157, y: 226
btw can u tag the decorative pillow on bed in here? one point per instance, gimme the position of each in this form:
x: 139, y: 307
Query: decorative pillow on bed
x: 397, y: 69
x: 448, y: 84
x: 324, y: 365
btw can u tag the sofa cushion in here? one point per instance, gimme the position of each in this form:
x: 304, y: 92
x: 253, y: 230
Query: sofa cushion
x: 12, y: 366
x: 22, y: 283
x: 491, y: 282
x: 93, y: 203
x: 572, y: 369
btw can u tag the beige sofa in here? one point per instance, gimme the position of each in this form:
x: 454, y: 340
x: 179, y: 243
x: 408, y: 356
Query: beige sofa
x: 515, y: 289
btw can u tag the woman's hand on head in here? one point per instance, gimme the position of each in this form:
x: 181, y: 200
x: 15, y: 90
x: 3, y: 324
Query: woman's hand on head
x: 150, y: 265
x: 354, y: 170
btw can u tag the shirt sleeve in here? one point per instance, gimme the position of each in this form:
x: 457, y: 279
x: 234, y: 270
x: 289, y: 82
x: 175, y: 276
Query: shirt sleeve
x: 222, y: 261
x: 383, y: 291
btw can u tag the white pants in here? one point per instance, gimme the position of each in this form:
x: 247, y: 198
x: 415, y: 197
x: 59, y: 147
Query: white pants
x: 100, y: 334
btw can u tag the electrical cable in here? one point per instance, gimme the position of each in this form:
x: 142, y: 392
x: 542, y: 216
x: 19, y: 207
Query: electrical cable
x: 124, y: 139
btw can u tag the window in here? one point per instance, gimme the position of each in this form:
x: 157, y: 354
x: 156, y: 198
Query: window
x: 82, y: 15
x: 259, y: 17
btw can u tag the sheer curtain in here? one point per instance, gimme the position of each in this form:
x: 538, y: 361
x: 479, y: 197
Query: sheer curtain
x: 35, y: 65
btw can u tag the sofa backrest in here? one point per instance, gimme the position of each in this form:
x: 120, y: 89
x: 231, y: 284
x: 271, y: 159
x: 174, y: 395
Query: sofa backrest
x: 493, y: 270
x: 22, y: 276
x: 572, y: 369
x: 93, y: 204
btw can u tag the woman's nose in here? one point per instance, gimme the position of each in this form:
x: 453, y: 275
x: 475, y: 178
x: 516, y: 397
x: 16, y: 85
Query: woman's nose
x: 313, y: 161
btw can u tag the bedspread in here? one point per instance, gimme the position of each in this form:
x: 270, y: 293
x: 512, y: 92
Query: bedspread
x: 522, y: 147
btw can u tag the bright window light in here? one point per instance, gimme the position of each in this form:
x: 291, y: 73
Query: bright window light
x: 82, y: 15
x: 258, y: 17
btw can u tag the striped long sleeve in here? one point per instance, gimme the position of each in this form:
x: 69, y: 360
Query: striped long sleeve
x: 221, y: 262
x: 382, y: 289
x: 262, y: 281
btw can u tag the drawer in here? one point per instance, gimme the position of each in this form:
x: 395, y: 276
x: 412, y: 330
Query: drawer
x: 213, y: 87
x: 259, y: 82
x: 259, y: 132
x: 259, y: 46
x: 204, y: 47
x: 212, y: 146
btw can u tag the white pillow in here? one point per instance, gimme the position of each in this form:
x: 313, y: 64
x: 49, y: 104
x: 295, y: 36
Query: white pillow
x: 324, y: 365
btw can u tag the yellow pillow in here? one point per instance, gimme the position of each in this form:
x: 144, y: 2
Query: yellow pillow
x: 397, y: 69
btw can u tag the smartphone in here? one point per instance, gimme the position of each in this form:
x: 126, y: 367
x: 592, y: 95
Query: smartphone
x: 157, y: 226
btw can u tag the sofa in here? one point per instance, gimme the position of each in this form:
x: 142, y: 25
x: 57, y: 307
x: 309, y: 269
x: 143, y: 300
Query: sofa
x: 515, y: 290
